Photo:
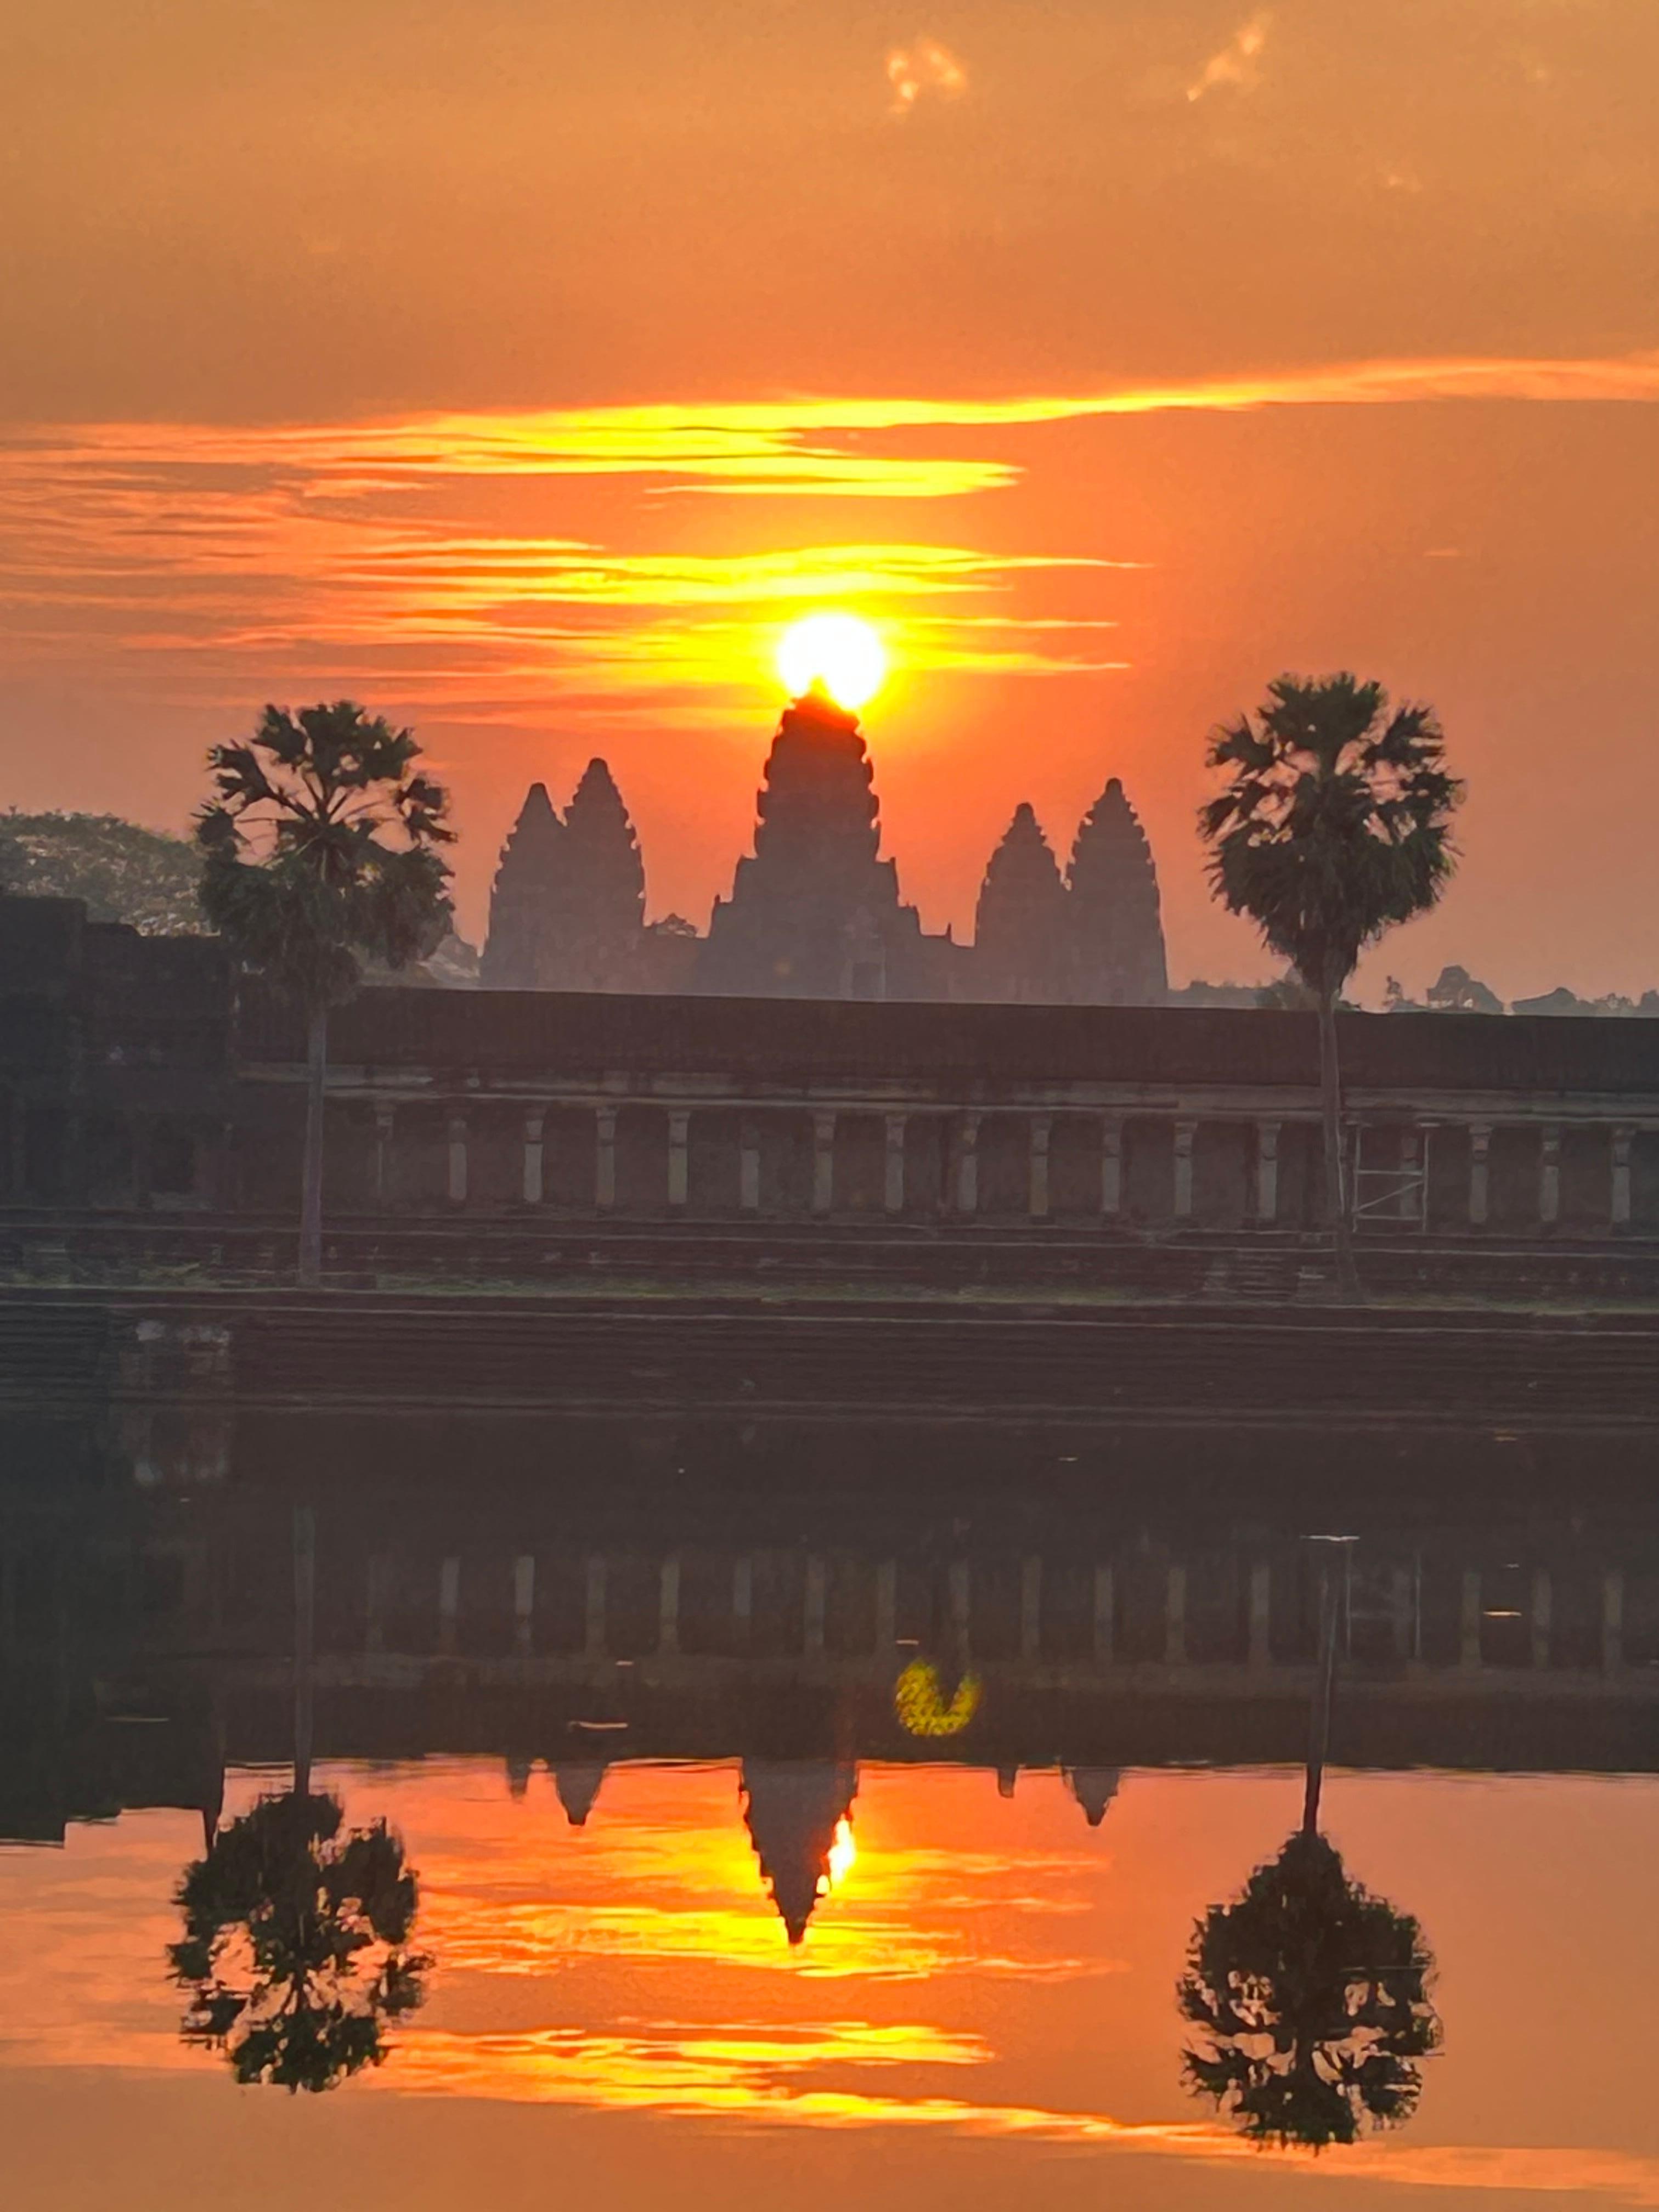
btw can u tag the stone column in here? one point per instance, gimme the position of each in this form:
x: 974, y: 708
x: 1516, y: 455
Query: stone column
x: 679, y: 1158
x: 1541, y: 1606
x: 1407, y: 1208
x: 961, y: 1589
x: 1613, y: 1619
x: 1043, y: 1126
x: 967, y: 1164
x: 593, y: 1607
x: 893, y: 1183
x: 748, y: 1166
x: 1030, y: 1608
x: 1621, y: 1144
x: 457, y: 1159
x: 380, y: 1582
x: 1174, y: 1615
x: 824, y: 1161
x: 383, y: 1112
x: 1111, y: 1167
x: 524, y: 1601
x: 1469, y: 1635
x: 1261, y: 1617
x: 818, y: 1585
x: 1480, y: 1172
x: 886, y: 1606
x: 668, y: 1606
x: 535, y: 1122
x: 1185, y: 1132
x: 742, y: 1601
x: 1267, y: 1172
x: 604, y: 1162
x: 1549, y: 1176
x: 449, y: 1602
x: 1104, y: 1609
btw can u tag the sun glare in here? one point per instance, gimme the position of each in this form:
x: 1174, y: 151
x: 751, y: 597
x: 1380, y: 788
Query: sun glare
x: 841, y: 651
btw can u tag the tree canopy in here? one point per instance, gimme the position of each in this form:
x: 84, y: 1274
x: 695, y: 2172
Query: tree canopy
x: 1311, y: 2000
x: 120, y: 871
x: 296, y: 1945
x: 1333, y: 823
x: 321, y: 848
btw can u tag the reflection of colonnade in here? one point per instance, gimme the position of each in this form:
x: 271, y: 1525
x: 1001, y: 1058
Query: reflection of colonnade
x: 1407, y: 1616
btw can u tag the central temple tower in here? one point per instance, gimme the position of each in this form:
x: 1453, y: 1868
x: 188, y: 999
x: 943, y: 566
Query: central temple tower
x: 815, y: 913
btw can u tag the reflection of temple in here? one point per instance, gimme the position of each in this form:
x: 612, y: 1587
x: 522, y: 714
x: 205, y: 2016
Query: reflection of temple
x: 815, y: 912
x: 793, y: 1808
x: 696, y: 1591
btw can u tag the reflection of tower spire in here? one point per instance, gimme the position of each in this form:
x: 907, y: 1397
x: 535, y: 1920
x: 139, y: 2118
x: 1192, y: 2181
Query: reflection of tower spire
x: 793, y: 1809
x: 1094, y: 1787
x: 577, y: 1781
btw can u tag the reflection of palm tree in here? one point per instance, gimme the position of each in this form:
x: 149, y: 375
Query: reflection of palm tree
x: 296, y: 1943
x: 1312, y: 1999
x: 1311, y: 1994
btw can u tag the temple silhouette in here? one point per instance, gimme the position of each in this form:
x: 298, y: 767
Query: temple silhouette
x: 815, y: 911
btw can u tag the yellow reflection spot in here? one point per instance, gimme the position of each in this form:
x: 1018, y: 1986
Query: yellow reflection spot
x: 841, y: 651
x: 844, y: 1853
x: 919, y: 1701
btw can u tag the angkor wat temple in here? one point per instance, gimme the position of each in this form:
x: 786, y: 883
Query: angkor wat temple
x: 816, y: 912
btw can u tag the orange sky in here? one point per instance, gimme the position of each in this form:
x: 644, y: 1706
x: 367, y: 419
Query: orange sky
x: 981, y: 2010
x: 521, y: 369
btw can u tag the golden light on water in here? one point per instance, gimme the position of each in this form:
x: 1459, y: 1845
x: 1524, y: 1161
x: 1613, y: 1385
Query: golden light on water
x: 844, y: 1853
x: 841, y: 652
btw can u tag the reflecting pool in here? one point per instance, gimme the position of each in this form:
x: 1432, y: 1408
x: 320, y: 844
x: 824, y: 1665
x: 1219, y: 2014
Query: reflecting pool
x: 489, y: 1810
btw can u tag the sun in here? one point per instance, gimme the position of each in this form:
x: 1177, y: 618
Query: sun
x: 841, y: 651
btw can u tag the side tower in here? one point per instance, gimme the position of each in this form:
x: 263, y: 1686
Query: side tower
x: 1116, y: 927
x: 815, y: 912
x: 567, y: 909
x: 524, y: 903
x: 604, y: 887
x: 1019, y: 924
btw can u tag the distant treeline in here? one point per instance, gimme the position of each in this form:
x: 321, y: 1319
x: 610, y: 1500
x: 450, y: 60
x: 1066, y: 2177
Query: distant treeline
x: 148, y: 878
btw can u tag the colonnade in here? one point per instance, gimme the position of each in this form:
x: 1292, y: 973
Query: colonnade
x: 1390, y: 1160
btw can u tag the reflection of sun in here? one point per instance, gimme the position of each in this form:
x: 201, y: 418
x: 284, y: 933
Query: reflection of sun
x: 841, y: 651
x: 844, y: 1853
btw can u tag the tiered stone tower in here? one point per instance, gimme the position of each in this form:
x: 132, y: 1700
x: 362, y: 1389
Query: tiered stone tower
x: 793, y: 1808
x: 568, y: 910
x: 522, y: 950
x: 1019, y: 924
x: 816, y: 914
x: 1116, y: 928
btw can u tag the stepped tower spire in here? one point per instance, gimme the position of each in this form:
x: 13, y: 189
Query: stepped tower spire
x: 815, y: 912
x: 1020, y: 924
x: 1116, y: 928
x: 568, y: 910
x: 605, y: 879
x: 524, y: 903
x: 793, y: 1809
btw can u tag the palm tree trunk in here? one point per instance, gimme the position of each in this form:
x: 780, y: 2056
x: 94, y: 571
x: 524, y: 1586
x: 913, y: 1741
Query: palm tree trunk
x: 1336, y: 1194
x: 305, y: 1645
x: 311, y: 1177
x: 1319, y: 1725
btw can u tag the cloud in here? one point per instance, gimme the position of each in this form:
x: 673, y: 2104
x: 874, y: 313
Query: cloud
x: 1239, y: 62
x: 922, y: 70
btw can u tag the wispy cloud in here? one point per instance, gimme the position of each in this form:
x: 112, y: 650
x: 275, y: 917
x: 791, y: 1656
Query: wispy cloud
x: 924, y: 69
x: 412, y: 556
x: 1238, y: 63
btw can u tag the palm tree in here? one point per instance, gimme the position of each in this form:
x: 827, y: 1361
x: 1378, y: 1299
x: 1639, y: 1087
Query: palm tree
x: 1311, y: 1994
x: 320, y: 850
x: 296, y: 1949
x: 1334, y: 825
x: 1311, y: 1997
